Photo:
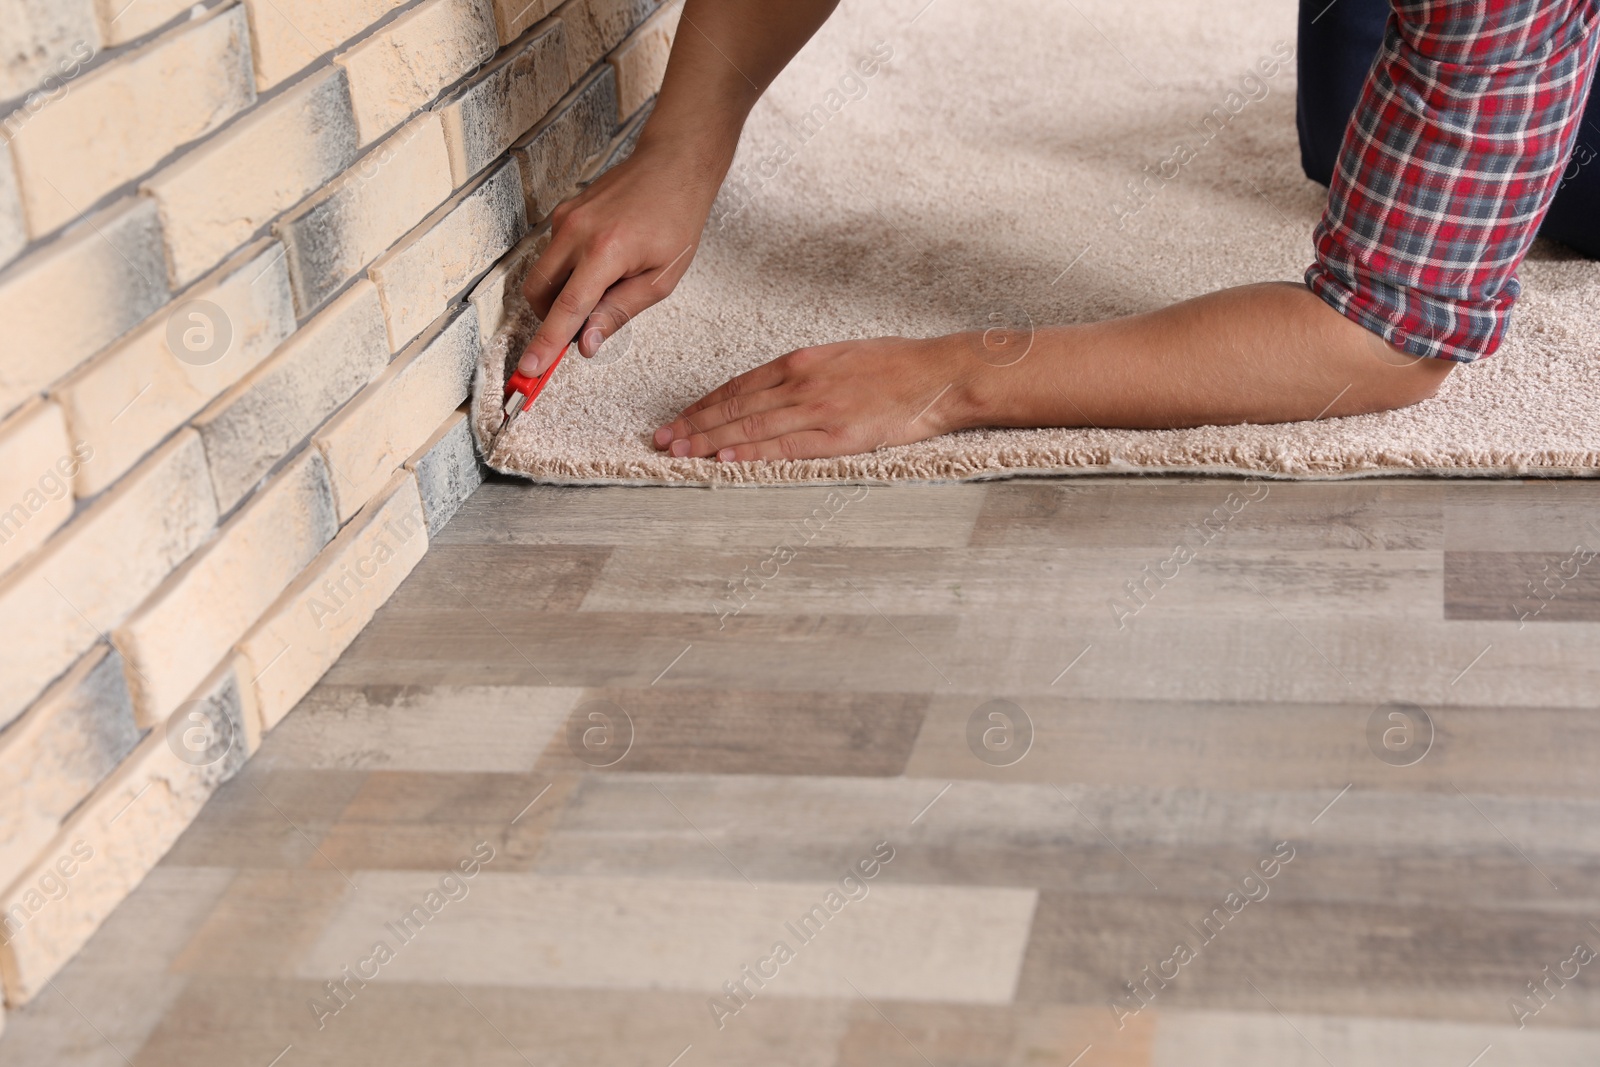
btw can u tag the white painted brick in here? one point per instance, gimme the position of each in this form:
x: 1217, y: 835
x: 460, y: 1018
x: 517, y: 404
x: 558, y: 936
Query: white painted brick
x: 129, y: 398
x: 63, y: 303
x: 219, y: 194
x: 512, y: 17
x: 556, y: 151
x: 37, y: 36
x: 13, y: 227
x: 276, y: 406
x: 641, y: 60
x: 113, y: 124
x: 124, y: 20
x: 187, y: 625
x: 36, y: 464
x: 447, y: 470
x: 499, y: 295
x: 405, y: 63
x: 119, y: 833
x: 419, y: 277
x: 62, y: 747
x: 98, y: 567
x: 595, y: 27
x: 390, y: 418
x: 364, y: 211
x: 482, y: 119
x: 288, y: 35
x: 316, y: 618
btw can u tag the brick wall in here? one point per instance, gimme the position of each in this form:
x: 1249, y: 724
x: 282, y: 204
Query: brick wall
x: 249, y: 253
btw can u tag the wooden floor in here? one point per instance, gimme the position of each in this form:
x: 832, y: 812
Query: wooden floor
x: 1342, y: 749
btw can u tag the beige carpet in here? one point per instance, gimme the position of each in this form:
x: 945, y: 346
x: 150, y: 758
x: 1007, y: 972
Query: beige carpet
x: 952, y: 189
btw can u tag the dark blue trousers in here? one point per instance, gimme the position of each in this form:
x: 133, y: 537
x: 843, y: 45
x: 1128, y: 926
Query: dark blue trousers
x: 1337, y: 46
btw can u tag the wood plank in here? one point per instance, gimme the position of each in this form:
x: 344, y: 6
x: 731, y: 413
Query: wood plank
x: 418, y: 728
x: 1151, y: 513
x: 506, y: 511
x: 737, y: 731
x: 265, y: 922
x: 117, y: 990
x: 1016, y: 1036
x: 227, y: 1022
x: 1079, y: 581
x: 461, y: 647
x: 1425, y: 962
x: 1271, y: 658
x: 427, y: 820
x: 1267, y: 746
x: 1528, y: 588
x: 1224, y: 1039
x: 1487, y: 852
x: 265, y: 818
x: 899, y: 942
x: 1543, y: 515
x: 534, y: 577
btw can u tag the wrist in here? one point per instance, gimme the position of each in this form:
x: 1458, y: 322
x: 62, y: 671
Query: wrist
x: 989, y: 368
x: 699, y: 155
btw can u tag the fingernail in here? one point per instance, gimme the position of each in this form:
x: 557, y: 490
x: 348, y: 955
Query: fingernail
x: 726, y: 455
x: 664, y: 437
x: 680, y: 448
x: 593, y: 338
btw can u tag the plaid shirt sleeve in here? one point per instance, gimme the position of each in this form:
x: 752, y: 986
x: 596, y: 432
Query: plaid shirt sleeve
x: 1448, y: 166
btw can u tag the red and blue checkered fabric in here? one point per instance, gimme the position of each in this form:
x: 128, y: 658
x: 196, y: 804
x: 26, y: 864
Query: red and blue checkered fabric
x: 1448, y: 166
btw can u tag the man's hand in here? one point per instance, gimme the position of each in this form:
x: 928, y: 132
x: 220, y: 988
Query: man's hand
x: 615, y: 249
x: 833, y: 400
x: 623, y: 243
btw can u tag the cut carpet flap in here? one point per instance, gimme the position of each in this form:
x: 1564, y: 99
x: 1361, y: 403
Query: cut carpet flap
x: 1092, y: 159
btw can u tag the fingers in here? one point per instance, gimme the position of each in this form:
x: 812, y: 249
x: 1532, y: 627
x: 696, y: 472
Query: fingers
x: 578, y: 297
x: 807, y: 444
x: 615, y: 310
x: 550, y: 269
x: 764, y: 425
x: 766, y: 376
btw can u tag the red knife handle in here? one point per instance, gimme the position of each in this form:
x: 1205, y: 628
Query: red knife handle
x: 529, y: 386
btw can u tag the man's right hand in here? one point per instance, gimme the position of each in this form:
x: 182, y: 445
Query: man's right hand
x: 615, y: 249
x: 623, y: 243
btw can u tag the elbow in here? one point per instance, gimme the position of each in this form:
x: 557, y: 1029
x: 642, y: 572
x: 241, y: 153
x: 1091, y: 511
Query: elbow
x: 1396, y: 378
x: 1416, y: 382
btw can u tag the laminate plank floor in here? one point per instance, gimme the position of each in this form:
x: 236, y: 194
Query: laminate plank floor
x: 1093, y: 772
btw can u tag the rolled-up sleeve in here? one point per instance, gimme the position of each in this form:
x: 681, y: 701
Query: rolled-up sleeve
x: 1448, y: 166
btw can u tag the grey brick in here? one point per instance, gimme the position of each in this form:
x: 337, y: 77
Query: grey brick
x: 216, y: 196
x: 621, y: 146
x: 63, y: 303
x: 63, y: 746
x: 363, y: 212
x: 447, y: 471
x: 36, y: 36
x: 13, y: 228
x: 455, y: 245
x: 266, y: 414
x: 500, y: 104
x: 595, y: 27
x: 220, y: 702
x: 555, y: 152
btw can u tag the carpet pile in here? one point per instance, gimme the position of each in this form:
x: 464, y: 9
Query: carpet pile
x: 991, y: 169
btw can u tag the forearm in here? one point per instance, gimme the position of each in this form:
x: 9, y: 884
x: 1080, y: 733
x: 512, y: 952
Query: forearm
x: 725, y: 54
x: 1258, y: 353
